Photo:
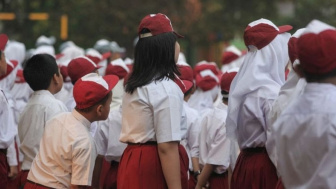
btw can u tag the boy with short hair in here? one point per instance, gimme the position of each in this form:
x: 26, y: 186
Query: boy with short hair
x: 43, y: 76
x: 67, y: 154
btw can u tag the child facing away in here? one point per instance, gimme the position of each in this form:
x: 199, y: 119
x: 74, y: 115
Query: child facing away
x: 305, y: 131
x: 43, y: 76
x: 67, y: 154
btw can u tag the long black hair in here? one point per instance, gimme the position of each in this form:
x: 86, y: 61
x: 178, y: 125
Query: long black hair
x: 153, y: 60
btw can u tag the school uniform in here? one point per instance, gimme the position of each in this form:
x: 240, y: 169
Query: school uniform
x: 190, y: 139
x: 67, y: 153
x: 151, y: 114
x: 41, y: 107
x: 252, y: 93
x: 107, y: 138
x: 214, y: 146
x: 306, y: 149
x: 7, y: 133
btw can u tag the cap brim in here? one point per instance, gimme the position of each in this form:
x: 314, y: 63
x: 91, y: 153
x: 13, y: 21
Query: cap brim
x: 285, y: 28
x: 3, y: 41
x: 178, y: 35
x: 111, y: 80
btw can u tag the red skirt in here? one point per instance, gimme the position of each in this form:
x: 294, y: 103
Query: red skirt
x: 280, y: 184
x: 219, y: 181
x: 254, y: 170
x: 4, y: 169
x: 110, y: 181
x: 140, y: 167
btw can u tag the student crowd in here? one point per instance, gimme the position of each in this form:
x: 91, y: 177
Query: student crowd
x: 95, y: 119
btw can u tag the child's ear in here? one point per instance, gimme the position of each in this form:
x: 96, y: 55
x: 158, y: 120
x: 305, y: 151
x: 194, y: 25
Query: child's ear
x: 99, y: 110
x: 55, y: 79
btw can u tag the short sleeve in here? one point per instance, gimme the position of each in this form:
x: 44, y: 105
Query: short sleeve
x: 83, y: 161
x: 167, y: 105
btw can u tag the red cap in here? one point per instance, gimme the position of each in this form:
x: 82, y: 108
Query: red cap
x: 184, y: 85
x: 261, y: 32
x: 3, y: 41
x: 230, y: 54
x: 204, y: 65
x: 186, y: 73
x: 226, y: 80
x: 64, y: 72
x: 292, y: 46
x: 91, y: 88
x: 11, y: 65
x: 19, y: 76
x: 117, y: 67
x: 157, y: 24
x: 316, y: 48
x: 206, y: 80
x: 80, y: 66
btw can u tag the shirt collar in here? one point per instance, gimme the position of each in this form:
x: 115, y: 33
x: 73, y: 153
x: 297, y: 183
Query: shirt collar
x: 81, y: 118
x: 320, y: 87
x: 43, y: 92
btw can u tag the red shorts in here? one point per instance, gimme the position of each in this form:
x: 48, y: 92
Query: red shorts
x: 219, y: 181
x: 254, y: 170
x: 4, y: 169
x: 140, y: 167
x: 32, y: 185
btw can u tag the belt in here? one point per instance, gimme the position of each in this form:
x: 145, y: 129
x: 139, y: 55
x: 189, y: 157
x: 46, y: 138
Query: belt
x: 146, y: 143
x: 37, y: 184
x: 4, y: 151
x: 255, y: 150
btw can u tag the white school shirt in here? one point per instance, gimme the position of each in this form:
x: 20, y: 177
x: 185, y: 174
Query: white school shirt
x: 153, y: 113
x: 41, y: 107
x: 214, y: 146
x: 190, y: 138
x: 305, y: 139
x: 107, y: 137
x: 7, y: 130
x: 67, y: 153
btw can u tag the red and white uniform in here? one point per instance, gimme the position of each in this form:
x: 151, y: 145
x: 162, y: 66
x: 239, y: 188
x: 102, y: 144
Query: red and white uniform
x: 67, y: 153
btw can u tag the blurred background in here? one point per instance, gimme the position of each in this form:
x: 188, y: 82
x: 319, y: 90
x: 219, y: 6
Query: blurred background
x: 208, y: 25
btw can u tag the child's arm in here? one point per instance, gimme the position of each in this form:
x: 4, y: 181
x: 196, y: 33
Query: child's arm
x: 96, y: 171
x: 204, y: 176
x: 170, y: 162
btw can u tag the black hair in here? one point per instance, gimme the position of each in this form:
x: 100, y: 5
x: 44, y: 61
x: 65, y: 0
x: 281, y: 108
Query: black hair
x: 153, y: 60
x: 225, y: 93
x: 39, y: 71
x: 318, y: 77
x: 100, y: 102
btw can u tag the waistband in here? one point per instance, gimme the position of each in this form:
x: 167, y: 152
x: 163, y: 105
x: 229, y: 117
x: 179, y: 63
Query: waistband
x: 4, y: 151
x: 146, y: 143
x: 255, y: 150
x: 37, y: 184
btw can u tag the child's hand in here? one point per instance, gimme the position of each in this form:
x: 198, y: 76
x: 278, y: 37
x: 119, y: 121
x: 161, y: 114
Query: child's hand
x: 13, y: 172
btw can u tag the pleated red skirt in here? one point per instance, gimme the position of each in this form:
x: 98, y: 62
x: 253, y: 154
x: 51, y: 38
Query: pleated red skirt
x: 254, y: 170
x: 219, y: 181
x: 31, y: 185
x: 140, y: 168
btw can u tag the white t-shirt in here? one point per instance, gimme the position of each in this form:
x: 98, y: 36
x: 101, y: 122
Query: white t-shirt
x: 41, y: 107
x: 305, y: 139
x: 107, y: 137
x: 153, y: 113
x: 67, y: 153
x: 190, y: 139
x: 214, y: 146
x: 7, y: 130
